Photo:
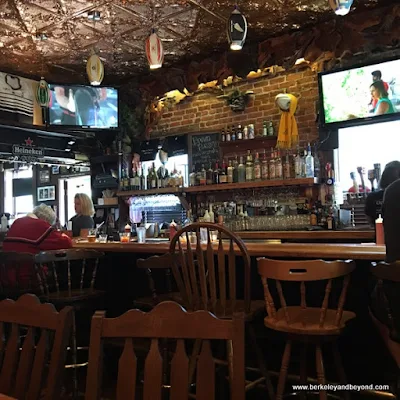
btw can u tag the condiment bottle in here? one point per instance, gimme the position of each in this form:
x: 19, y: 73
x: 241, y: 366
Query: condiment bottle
x: 4, y: 223
x: 127, y: 228
x: 380, y: 234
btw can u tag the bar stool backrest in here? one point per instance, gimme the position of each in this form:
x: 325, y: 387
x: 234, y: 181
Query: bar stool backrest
x: 33, y: 372
x: 302, y: 272
x: 168, y: 320
x: 205, y: 282
x: 71, y: 270
x: 388, y: 275
x: 17, y: 274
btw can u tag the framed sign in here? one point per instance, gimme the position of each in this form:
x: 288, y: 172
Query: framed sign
x: 46, y: 193
x: 203, y: 149
x: 44, y: 176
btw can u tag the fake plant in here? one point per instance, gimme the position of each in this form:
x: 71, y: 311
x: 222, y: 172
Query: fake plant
x: 238, y: 100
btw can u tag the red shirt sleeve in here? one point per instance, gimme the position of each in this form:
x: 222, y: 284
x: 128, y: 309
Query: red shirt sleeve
x: 386, y: 86
x: 56, y: 241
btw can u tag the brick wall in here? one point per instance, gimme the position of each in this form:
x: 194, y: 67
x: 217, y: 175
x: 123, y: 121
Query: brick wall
x: 204, y: 112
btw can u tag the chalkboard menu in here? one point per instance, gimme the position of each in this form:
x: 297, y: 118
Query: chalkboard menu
x: 204, y: 149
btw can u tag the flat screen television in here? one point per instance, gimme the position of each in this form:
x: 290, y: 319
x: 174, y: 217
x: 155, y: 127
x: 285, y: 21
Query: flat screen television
x: 83, y: 106
x: 22, y: 187
x: 347, y: 97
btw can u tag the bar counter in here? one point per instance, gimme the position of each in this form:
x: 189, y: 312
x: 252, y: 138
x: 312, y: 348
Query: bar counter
x: 260, y: 248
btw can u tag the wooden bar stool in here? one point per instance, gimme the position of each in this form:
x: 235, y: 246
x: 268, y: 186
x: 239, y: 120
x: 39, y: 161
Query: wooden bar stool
x: 306, y: 324
x: 207, y: 276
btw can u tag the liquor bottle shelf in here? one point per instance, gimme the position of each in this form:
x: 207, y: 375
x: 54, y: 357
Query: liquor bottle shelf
x: 222, y: 187
x: 168, y: 190
x: 252, y: 185
x: 260, y: 142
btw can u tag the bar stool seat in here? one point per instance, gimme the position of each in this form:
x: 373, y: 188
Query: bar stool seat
x: 307, y: 321
x: 238, y: 306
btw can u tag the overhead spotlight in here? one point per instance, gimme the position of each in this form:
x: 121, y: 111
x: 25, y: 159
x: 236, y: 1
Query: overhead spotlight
x: 71, y: 142
x: 41, y: 36
x: 341, y: 7
x: 94, y: 15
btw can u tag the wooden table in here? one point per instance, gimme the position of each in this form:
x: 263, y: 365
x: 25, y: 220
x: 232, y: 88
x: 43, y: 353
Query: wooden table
x: 4, y: 397
x: 260, y: 249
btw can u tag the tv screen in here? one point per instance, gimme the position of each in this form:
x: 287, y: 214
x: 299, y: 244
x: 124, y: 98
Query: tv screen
x: 83, y: 106
x: 22, y: 187
x: 369, y: 92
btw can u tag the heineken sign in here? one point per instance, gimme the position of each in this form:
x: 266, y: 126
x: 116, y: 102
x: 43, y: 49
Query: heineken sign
x: 27, y: 152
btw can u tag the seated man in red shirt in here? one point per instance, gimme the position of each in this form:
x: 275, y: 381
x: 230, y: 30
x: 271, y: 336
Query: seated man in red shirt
x: 33, y: 234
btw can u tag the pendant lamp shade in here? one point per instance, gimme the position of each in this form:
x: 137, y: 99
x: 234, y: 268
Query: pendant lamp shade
x: 95, y: 70
x: 154, y: 51
x: 43, y: 93
x: 237, y: 30
x: 341, y: 7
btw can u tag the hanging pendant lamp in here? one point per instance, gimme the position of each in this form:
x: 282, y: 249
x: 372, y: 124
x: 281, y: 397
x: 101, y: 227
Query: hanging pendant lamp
x: 154, y: 51
x: 43, y: 93
x: 237, y: 30
x: 95, y: 70
x: 341, y: 7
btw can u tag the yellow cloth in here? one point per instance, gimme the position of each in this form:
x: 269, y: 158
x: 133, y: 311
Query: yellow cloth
x: 288, y: 135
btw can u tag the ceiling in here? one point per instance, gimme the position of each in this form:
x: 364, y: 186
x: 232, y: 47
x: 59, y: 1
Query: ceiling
x: 55, y: 37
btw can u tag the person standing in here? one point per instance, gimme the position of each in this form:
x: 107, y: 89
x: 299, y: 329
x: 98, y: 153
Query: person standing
x: 84, y: 214
x: 377, y: 76
x: 383, y: 104
x: 373, y: 204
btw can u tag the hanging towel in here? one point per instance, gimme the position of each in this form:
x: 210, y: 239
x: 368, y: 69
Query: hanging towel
x: 288, y: 135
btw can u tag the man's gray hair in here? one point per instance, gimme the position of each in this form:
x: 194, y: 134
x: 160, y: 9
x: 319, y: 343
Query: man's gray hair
x: 46, y: 213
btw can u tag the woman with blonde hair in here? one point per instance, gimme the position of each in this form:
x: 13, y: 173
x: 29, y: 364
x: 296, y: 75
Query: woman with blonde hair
x: 84, y: 214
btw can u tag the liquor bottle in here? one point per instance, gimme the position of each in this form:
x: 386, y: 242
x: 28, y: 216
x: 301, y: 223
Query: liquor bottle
x: 211, y: 213
x: 122, y: 180
x: 271, y: 170
x: 245, y: 133
x: 209, y: 175
x: 126, y: 180
x: 264, y: 167
x: 227, y: 134
x: 223, y: 137
x: 309, y: 163
x: 241, y: 171
x: 223, y: 178
x: 233, y: 133
x: 278, y: 166
x: 257, y: 168
x: 230, y: 172
x: 203, y: 175
x: 270, y: 129
x: 235, y: 170
x: 132, y: 181
x: 317, y: 164
x: 192, y: 177
x: 286, y: 167
x: 265, y: 129
x: 304, y: 172
x: 136, y: 181
x: 142, y: 180
x: 216, y: 173
x: 154, y: 177
x: 249, y: 167
x: 239, y: 133
x: 298, y: 164
x: 252, y: 134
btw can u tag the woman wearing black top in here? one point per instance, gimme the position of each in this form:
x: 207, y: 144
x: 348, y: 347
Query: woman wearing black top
x: 373, y: 204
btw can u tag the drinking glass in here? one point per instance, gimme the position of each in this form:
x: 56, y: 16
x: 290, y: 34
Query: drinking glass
x: 103, y: 238
x: 141, y: 234
x: 92, y: 235
x: 124, y: 237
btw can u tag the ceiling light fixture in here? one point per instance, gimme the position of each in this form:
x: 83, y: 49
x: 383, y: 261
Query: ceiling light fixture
x: 95, y: 70
x: 43, y: 93
x: 154, y: 51
x: 341, y: 7
x: 94, y: 15
x: 237, y: 30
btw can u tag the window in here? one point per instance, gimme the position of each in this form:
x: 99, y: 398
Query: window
x: 364, y: 146
x: 17, y: 206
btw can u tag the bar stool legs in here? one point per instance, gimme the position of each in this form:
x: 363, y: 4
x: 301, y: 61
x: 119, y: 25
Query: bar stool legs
x: 303, y: 369
x: 284, y: 370
x: 320, y: 370
x: 74, y: 360
x: 339, y: 368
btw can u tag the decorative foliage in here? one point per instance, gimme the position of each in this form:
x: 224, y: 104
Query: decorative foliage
x: 238, y: 100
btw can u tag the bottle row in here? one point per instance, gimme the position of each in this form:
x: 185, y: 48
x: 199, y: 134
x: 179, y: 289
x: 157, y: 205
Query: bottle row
x: 248, y: 132
x: 276, y: 166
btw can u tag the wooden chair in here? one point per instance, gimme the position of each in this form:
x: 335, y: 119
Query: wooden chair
x: 306, y: 324
x: 32, y: 372
x: 167, y: 320
x: 67, y: 277
x: 207, y: 277
x: 17, y: 275
x: 162, y: 264
x: 388, y: 273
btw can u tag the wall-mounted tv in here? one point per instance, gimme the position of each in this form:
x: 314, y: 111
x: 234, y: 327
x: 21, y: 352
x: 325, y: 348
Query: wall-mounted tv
x: 364, y: 94
x: 83, y: 106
